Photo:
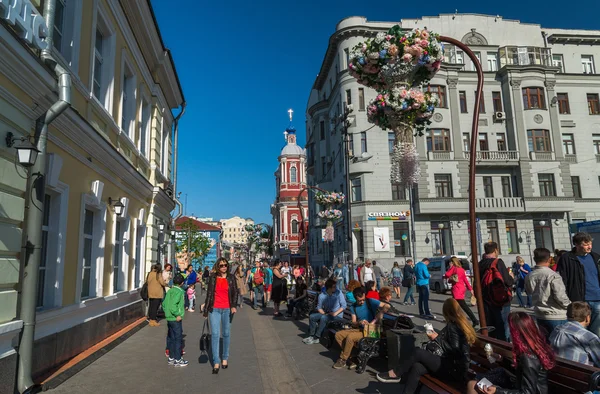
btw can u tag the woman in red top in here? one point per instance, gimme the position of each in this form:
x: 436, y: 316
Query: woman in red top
x: 372, y: 292
x: 457, y: 276
x: 219, y: 307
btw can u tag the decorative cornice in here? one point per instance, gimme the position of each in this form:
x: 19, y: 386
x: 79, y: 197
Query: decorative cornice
x: 515, y: 84
x: 452, y: 83
x: 550, y: 84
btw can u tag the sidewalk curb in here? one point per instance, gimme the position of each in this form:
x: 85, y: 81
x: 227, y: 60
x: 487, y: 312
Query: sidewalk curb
x: 82, y: 360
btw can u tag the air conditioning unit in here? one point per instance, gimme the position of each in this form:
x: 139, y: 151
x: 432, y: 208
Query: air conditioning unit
x: 499, y: 116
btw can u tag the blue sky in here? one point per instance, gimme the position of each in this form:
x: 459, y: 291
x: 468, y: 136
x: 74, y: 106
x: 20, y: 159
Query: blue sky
x: 244, y: 63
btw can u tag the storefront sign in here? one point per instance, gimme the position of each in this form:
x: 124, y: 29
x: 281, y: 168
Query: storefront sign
x: 381, y: 239
x: 389, y: 215
x: 27, y: 22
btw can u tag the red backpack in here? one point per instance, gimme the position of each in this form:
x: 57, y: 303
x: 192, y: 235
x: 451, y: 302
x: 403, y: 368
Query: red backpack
x: 259, y: 277
x: 494, y: 289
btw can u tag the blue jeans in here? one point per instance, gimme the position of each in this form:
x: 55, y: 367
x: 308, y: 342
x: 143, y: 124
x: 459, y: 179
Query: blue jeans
x: 520, y: 290
x: 258, y: 292
x: 595, y: 323
x: 409, y: 293
x: 174, y: 339
x: 497, y: 317
x: 318, y: 323
x: 378, y: 281
x: 219, y: 320
x: 549, y: 325
x: 423, y: 300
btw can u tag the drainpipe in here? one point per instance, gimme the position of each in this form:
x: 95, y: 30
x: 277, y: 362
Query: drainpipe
x: 175, y: 154
x: 35, y: 191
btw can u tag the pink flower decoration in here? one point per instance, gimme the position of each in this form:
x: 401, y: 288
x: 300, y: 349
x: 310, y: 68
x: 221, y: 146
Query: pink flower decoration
x: 407, y: 57
x: 424, y: 43
x: 425, y: 34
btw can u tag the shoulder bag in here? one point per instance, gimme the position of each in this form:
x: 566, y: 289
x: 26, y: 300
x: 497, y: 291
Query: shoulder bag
x: 144, y: 290
x: 205, y: 338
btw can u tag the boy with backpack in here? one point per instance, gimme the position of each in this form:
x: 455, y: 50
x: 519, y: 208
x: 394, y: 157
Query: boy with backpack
x: 174, y: 307
x: 496, y: 286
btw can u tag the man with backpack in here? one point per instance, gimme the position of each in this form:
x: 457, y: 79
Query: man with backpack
x: 496, y: 285
x: 257, y: 278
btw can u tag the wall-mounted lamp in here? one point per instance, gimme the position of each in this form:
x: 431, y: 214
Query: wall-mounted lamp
x: 554, y: 101
x: 26, y: 152
x: 117, y: 205
x: 556, y: 222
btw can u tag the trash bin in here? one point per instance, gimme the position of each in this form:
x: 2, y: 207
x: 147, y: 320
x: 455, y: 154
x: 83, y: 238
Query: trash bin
x: 402, y: 343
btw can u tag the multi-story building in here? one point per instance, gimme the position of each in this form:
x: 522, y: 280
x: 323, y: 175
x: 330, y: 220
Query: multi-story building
x: 539, y: 141
x: 113, y: 142
x: 234, y: 231
x: 290, y: 198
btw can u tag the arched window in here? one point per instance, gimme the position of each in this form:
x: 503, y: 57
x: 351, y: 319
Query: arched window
x: 293, y: 175
x: 294, y: 226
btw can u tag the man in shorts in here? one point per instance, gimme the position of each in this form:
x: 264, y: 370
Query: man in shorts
x: 268, y: 281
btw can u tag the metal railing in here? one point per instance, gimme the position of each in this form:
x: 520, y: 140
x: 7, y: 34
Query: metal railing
x: 510, y: 155
x: 525, y: 56
x: 499, y: 202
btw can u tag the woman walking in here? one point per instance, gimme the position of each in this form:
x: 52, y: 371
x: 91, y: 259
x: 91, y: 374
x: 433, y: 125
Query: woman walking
x: 156, y: 292
x: 396, y: 278
x: 221, y: 298
x: 409, y: 281
x: 241, y: 284
x: 460, y: 283
x: 522, y: 270
x: 280, y: 290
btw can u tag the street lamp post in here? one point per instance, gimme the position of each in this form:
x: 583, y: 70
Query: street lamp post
x: 528, y: 241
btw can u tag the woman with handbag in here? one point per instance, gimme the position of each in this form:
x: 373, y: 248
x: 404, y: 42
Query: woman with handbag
x: 156, y: 292
x: 241, y: 284
x: 396, y: 278
x: 409, y: 282
x: 280, y: 291
x: 219, y: 307
x: 457, y: 276
x: 446, y: 356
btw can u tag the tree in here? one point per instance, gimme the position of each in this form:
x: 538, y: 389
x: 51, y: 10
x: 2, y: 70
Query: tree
x: 192, y: 244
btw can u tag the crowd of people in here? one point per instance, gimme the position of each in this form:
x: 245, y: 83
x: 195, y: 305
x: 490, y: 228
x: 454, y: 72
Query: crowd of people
x: 563, y: 292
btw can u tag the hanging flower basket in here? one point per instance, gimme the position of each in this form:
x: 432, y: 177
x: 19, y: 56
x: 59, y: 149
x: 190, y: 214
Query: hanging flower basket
x: 397, y: 56
x: 329, y: 199
x: 330, y: 215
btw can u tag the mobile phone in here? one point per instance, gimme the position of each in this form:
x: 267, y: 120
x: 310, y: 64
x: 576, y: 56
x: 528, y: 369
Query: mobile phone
x: 484, y: 384
x: 231, y: 317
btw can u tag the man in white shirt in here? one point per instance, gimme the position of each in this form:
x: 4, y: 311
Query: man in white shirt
x: 366, y: 273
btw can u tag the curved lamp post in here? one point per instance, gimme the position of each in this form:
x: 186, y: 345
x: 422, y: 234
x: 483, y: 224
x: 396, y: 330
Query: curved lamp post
x: 305, y: 228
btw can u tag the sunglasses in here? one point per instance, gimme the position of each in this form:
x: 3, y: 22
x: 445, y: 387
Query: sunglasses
x: 222, y: 265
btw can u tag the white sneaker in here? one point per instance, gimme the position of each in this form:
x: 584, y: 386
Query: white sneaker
x: 307, y: 340
x: 313, y: 341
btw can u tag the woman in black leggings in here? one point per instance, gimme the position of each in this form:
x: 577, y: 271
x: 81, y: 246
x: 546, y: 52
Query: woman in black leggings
x: 453, y: 364
x: 457, y: 276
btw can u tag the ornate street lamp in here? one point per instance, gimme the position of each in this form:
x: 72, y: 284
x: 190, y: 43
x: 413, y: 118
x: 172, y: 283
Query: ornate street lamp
x: 27, y: 153
x: 117, y: 206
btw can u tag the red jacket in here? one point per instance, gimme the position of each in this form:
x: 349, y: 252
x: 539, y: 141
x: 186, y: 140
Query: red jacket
x: 459, y: 288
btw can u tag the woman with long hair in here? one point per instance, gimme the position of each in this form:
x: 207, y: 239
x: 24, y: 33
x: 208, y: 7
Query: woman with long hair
x: 453, y: 343
x: 280, y: 290
x: 460, y: 283
x: 396, y: 278
x: 532, y: 356
x: 156, y: 293
x: 167, y: 275
x: 353, y: 284
x: 219, y: 307
x: 241, y: 284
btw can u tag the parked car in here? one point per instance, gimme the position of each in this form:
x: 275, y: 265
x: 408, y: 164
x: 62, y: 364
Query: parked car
x: 437, y: 268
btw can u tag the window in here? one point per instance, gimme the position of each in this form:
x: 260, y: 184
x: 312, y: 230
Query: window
x: 293, y: 175
x: 596, y: 143
x: 483, y: 142
x: 398, y: 192
x: 492, y: 61
x: 533, y: 98
x: 438, y: 140
x: 593, y: 103
x: 547, y: 188
x: 488, y: 187
x: 557, y: 61
x: 363, y: 142
x: 348, y: 97
x: 139, y: 255
x: 492, y: 226
x: 443, y: 185
x: 144, y: 127
x: 346, y: 58
x: 117, y: 258
x: 563, y: 103
x: 539, y: 141
x: 102, y: 75
x: 460, y: 57
x: 497, y: 101
x: 501, y: 141
x: 401, y: 239
x: 294, y: 226
x: 506, y: 187
x: 478, y: 56
x: 576, y: 187
x: 356, y: 190
x: 128, y: 102
x: 568, y: 142
x: 481, y: 102
x: 59, y: 25
x: 587, y: 62
x: 43, y: 252
x: 361, y: 99
x: 462, y: 97
x: 466, y: 139
x: 512, y: 235
x: 65, y: 36
x: 322, y: 130
x: 88, y: 233
x: 98, y: 64
x: 441, y: 240
x: 440, y: 92
x: 391, y: 142
x: 542, y: 230
x: 351, y: 144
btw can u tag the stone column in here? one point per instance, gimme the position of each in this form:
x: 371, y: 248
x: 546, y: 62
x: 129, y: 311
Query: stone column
x: 457, y: 145
x: 554, y: 121
x: 517, y: 112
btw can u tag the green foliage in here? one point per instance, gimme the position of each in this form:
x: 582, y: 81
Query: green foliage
x: 191, y: 237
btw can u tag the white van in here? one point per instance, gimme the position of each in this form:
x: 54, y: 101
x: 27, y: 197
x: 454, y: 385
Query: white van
x: 438, y: 267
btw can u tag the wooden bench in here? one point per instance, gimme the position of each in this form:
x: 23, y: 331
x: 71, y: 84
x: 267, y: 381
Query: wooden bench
x: 566, y: 378
x: 309, y: 305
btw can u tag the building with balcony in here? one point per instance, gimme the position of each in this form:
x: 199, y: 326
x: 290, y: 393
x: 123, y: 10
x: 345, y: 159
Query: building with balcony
x: 233, y: 229
x: 114, y: 143
x: 538, y: 148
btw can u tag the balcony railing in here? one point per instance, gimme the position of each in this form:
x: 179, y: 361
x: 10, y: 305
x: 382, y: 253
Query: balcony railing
x: 571, y: 158
x: 499, y: 203
x: 440, y: 155
x: 542, y: 156
x: 510, y: 155
x: 525, y: 56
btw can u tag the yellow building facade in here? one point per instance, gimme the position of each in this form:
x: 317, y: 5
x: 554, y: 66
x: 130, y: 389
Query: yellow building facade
x: 114, y: 142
